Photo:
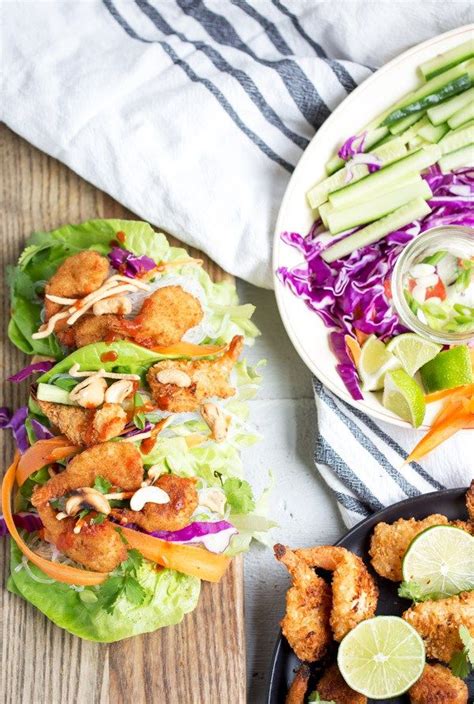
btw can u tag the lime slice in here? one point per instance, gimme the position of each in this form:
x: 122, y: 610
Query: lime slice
x: 413, y: 351
x: 381, y: 657
x: 440, y: 560
x: 374, y: 363
x: 404, y: 397
x: 448, y: 369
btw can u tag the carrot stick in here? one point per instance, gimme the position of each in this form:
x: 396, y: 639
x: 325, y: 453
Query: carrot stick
x: 458, y: 419
x: 353, y: 348
x: 467, y: 389
x: 43, y: 452
x: 187, y: 349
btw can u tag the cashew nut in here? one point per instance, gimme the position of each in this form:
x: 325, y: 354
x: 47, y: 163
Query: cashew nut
x: 216, y: 419
x: 213, y: 498
x: 155, y: 471
x: 120, y: 305
x: 174, y: 376
x: 87, y: 498
x: 118, y: 391
x: 89, y: 393
x: 148, y: 495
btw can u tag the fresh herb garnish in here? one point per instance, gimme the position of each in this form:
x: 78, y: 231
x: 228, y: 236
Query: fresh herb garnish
x: 102, y: 485
x: 314, y: 698
x: 85, y: 512
x: 123, y: 582
x: 239, y: 495
x: 463, y: 661
x: 139, y: 420
x: 98, y: 519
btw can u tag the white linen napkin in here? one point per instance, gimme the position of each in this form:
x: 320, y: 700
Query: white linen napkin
x: 193, y: 113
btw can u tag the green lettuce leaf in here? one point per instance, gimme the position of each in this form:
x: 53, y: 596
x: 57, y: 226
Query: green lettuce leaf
x: 168, y: 596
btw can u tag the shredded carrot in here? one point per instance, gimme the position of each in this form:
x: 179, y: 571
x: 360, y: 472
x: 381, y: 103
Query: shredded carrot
x: 455, y: 416
x: 361, y: 336
x: 42, y: 453
x: 188, y: 349
x: 353, y: 348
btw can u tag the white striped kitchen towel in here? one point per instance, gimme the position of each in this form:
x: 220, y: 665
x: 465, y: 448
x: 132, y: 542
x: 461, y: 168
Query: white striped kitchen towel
x: 193, y: 113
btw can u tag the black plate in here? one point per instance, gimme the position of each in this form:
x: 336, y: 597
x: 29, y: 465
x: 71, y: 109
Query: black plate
x: 450, y: 503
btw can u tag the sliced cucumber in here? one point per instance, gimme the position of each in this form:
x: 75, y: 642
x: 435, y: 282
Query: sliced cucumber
x: 413, y: 130
x: 49, y: 392
x: 416, y: 142
x: 324, y: 210
x: 373, y: 137
x: 442, y: 113
x: 414, y: 210
x: 433, y: 133
x: 457, y: 160
x: 393, y: 150
x: 393, y: 174
x: 447, y: 60
x: 462, y: 116
x: 403, y: 124
x: 340, y: 220
x: 458, y: 139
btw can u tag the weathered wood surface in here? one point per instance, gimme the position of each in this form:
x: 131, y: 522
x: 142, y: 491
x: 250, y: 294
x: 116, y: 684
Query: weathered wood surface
x: 201, y: 661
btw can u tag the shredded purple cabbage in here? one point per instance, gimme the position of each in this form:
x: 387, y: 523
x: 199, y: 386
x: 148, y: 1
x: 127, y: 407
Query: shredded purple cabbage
x: 353, y: 293
x: 16, y: 423
x: 24, y: 521
x: 131, y: 429
x: 353, y: 145
x: 41, y: 431
x: 31, y: 369
x: 194, y: 530
x: 129, y: 264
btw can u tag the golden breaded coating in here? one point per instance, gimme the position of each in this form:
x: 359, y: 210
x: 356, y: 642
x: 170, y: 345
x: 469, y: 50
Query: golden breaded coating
x: 164, y: 318
x: 97, y: 547
x: 390, y: 542
x: 438, y: 624
x: 332, y: 687
x: 470, y: 501
x: 354, y: 592
x: 83, y: 426
x: 171, y: 516
x: 298, y: 687
x: 308, y: 605
x: 202, y: 378
x: 120, y: 463
x: 438, y: 685
x: 95, y: 328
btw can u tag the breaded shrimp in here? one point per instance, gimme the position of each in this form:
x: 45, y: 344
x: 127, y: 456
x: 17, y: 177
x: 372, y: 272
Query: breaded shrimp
x: 118, y: 462
x: 95, y: 328
x: 438, y: 624
x: 308, y: 605
x: 298, y: 687
x: 163, y: 319
x: 332, y: 687
x: 354, y: 592
x: 438, y: 685
x: 171, y: 516
x: 470, y: 501
x: 390, y: 542
x: 84, y: 426
x: 199, y: 380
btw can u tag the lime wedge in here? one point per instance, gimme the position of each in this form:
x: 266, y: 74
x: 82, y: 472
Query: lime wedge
x: 440, y: 560
x: 381, y: 657
x: 404, y: 397
x: 413, y: 351
x: 448, y: 369
x: 374, y: 363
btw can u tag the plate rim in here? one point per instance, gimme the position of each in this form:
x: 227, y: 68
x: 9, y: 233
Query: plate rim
x: 280, y: 290
x: 377, y: 517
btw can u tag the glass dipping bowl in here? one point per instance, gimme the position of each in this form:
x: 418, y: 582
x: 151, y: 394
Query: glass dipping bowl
x: 455, y: 239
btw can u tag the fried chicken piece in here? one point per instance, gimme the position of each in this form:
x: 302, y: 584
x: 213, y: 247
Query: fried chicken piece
x: 298, y: 687
x: 197, y: 380
x: 98, y: 546
x: 95, y: 328
x: 438, y: 685
x: 171, y: 516
x: 308, y: 605
x: 83, y: 426
x: 390, y: 542
x: 332, y: 687
x: 118, y: 462
x: 354, y: 592
x: 438, y: 624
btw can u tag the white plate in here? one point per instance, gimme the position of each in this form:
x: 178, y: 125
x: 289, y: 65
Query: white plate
x: 306, y: 330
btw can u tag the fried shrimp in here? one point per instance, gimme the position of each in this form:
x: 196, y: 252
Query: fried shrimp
x: 390, y: 542
x: 438, y: 685
x: 298, y: 687
x: 438, y: 624
x: 182, y: 385
x: 95, y: 328
x: 170, y: 516
x: 332, y: 687
x: 354, y: 592
x: 84, y: 426
x: 308, y: 605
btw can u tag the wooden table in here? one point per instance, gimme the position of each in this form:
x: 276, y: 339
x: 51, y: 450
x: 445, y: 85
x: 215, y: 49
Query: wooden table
x: 201, y: 661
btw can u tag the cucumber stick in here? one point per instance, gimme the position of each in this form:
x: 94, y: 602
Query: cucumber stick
x: 432, y: 133
x: 414, y: 210
x: 400, y: 126
x: 393, y: 174
x: 389, y: 152
x: 373, y: 137
x: 413, y: 130
x: 340, y: 220
x: 49, y: 392
x: 458, y: 139
x: 462, y: 116
x: 442, y: 113
x: 457, y: 160
x: 443, y: 62
x: 324, y: 211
